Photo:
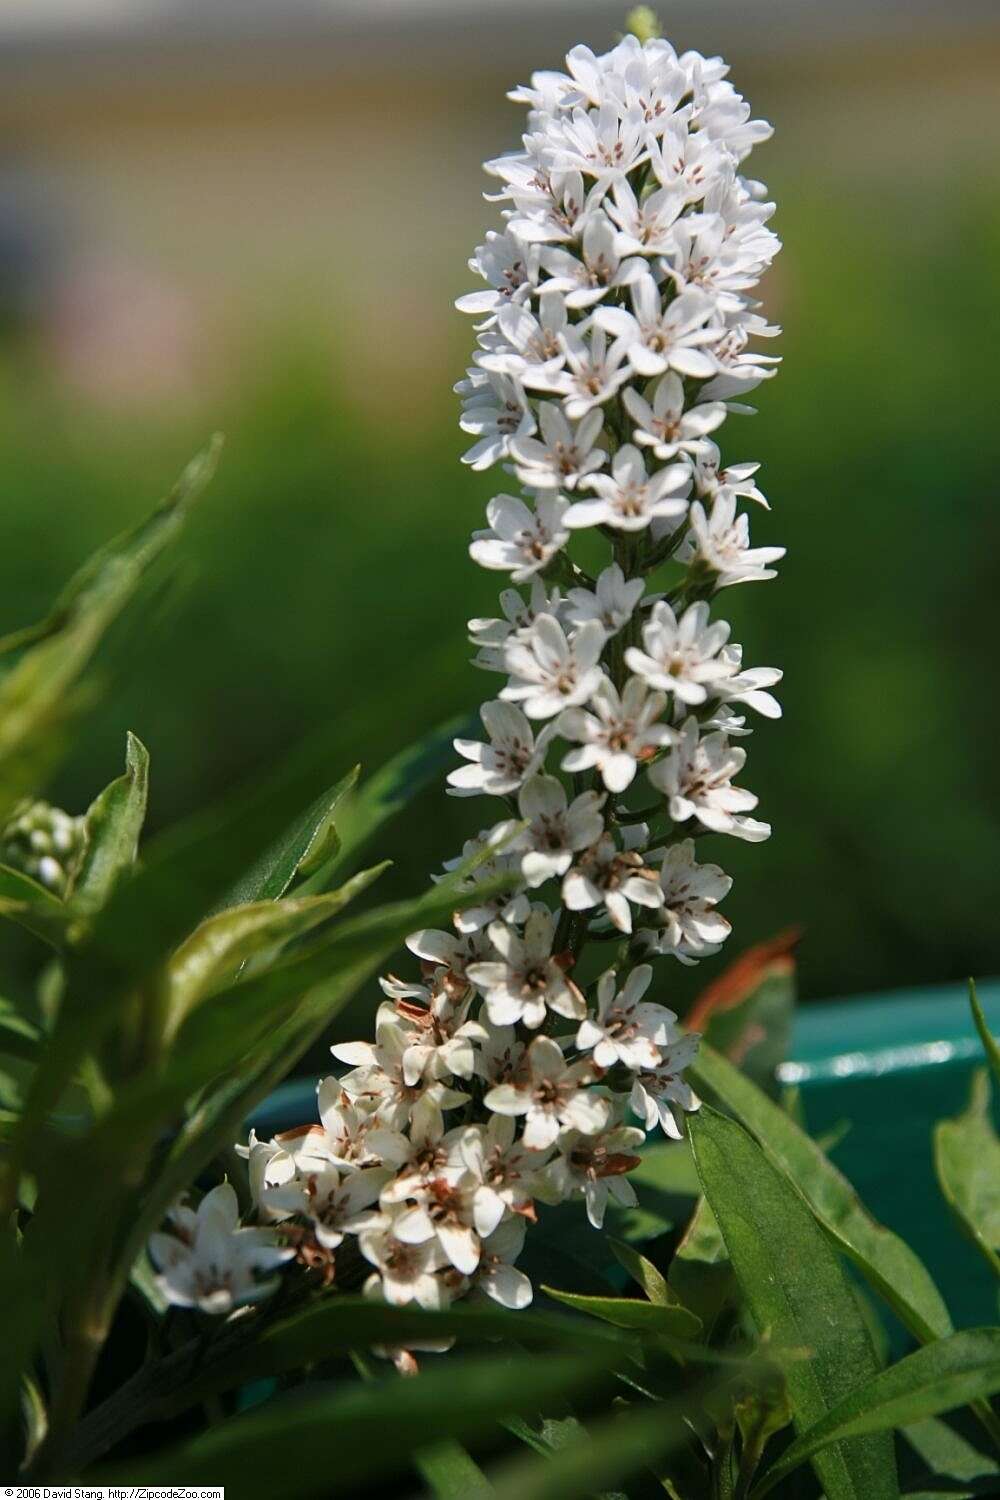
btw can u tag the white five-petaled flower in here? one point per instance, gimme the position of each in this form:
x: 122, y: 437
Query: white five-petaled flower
x: 338, y: 1201
x: 668, y: 426
x: 528, y: 979
x: 593, y: 373
x: 628, y: 498
x: 720, y: 543
x: 495, y: 410
x: 525, y: 346
x: 550, y: 671
x: 405, y: 1270
x: 521, y: 541
x: 593, y: 1165
x: 612, y: 602
x: 552, y: 1095
x: 617, y: 732
x: 511, y: 757
x: 627, y: 1029
x: 681, y: 656
x: 655, y: 1092
x: 587, y: 278
x: 557, y: 828
x: 563, y: 455
x: 205, y: 1260
x: 657, y: 337
x: 696, y: 776
x: 687, y: 923
x: 612, y: 876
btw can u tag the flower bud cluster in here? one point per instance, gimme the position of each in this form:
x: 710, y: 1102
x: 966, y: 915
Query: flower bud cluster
x: 615, y: 334
x: 45, y: 843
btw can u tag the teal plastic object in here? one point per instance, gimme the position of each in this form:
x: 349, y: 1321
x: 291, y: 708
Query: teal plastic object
x: 891, y: 1066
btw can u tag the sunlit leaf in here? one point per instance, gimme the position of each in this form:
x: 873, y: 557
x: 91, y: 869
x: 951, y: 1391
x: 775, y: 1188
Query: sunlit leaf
x: 114, y: 824
x: 798, y: 1295
x: 671, y: 1320
x: 967, y: 1162
x: 948, y: 1373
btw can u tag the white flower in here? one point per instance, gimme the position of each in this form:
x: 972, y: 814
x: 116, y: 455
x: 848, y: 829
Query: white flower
x: 283, y: 1159
x: 625, y: 1029
x: 696, y: 776
x: 681, y: 656
x: 550, y: 672
x: 205, y: 1260
x: 587, y: 278
x: 549, y: 206
x: 594, y: 372
x: 440, y: 1041
x: 688, y: 161
x: 507, y: 906
x: 453, y: 952
x: 720, y: 543
x: 503, y: 1167
x: 447, y: 1210
x: 496, y: 1275
x: 526, y: 346
x: 711, y: 479
x: 405, y: 1270
x: 500, y: 1055
x: 502, y: 765
x: 688, y: 925
x: 598, y: 142
x: 491, y: 636
x: 748, y: 686
x: 613, y: 602
x: 618, y: 733
x: 338, y: 1201
x: 645, y: 228
x: 658, y: 338
x: 528, y: 979
x: 552, y: 1095
x: 666, y: 426
x: 521, y: 541
x: 628, y: 498
x: 654, y: 1092
x: 378, y: 1075
x: 510, y: 267
x: 495, y: 410
x: 350, y: 1136
x: 556, y: 830
x: 612, y: 876
x: 594, y: 1165
x: 565, y: 453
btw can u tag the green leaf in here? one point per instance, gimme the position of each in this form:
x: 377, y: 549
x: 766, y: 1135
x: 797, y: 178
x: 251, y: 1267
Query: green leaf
x: 989, y: 1041
x: 967, y: 1162
x: 610, y: 1453
x: 888, y: 1264
x: 40, y: 693
x: 324, y: 1442
x: 114, y: 826
x: 798, y: 1295
x: 295, y: 851
x: 216, y: 951
x: 944, y: 1463
x: 385, y: 794
x: 644, y: 1273
x: 701, y: 1273
x: 18, y: 1038
x: 30, y: 905
x: 450, y: 1474
x: 950, y: 1372
x: 673, y: 1321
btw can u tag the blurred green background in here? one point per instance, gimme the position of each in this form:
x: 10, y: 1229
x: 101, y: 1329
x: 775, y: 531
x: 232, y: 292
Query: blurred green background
x: 256, y: 219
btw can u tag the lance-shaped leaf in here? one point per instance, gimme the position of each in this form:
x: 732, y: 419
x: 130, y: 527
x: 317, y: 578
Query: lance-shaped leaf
x: 989, y: 1041
x: 798, y: 1296
x: 383, y: 796
x: 643, y: 1273
x: 701, y: 1273
x: 888, y: 1264
x: 671, y: 1319
x: 114, y: 825
x: 948, y: 1373
x: 40, y: 692
x: 30, y: 905
x: 298, y: 850
x: 337, y: 1437
x: 967, y: 1162
x: 216, y: 951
